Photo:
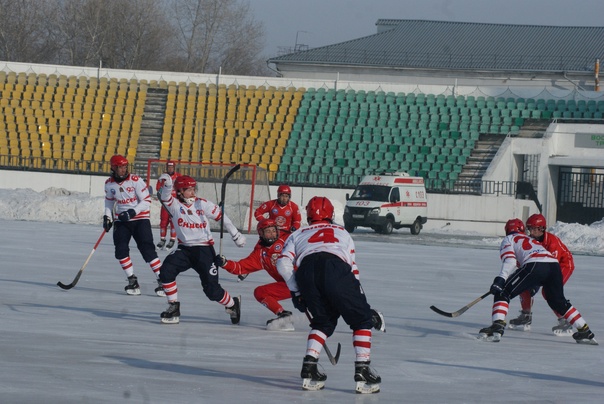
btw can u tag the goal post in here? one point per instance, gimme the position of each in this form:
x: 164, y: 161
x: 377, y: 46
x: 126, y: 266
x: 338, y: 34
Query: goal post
x: 246, y: 190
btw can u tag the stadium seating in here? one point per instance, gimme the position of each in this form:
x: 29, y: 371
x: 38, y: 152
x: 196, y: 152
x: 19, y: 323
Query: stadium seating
x: 313, y: 136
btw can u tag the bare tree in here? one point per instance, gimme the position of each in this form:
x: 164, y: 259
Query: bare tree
x: 26, y: 31
x: 180, y: 35
x: 215, y: 34
x: 126, y: 34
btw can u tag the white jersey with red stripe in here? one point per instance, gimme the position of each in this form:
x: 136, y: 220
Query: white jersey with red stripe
x: 518, y: 249
x: 191, y: 221
x: 316, y: 238
x: 132, y: 193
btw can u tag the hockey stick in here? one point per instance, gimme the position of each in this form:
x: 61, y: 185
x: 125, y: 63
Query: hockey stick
x: 77, y: 278
x: 460, y: 311
x: 222, y: 195
x: 333, y: 359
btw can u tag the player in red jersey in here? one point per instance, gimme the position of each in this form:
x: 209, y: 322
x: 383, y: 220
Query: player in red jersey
x: 128, y: 195
x: 164, y: 216
x: 527, y: 265
x: 264, y: 257
x: 536, y: 226
x: 325, y: 286
x: 282, y: 210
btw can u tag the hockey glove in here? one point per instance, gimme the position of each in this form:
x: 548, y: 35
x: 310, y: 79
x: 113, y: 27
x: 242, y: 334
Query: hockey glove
x: 498, y: 285
x: 127, y: 215
x: 292, y: 229
x: 298, y: 301
x: 165, y: 180
x: 239, y: 239
x: 220, y: 260
x: 107, y: 223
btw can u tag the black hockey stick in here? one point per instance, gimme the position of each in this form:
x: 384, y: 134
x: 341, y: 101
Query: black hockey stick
x: 222, y: 195
x: 333, y: 359
x: 77, y: 278
x: 460, y: 311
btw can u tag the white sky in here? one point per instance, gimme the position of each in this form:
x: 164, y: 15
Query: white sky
x: 326, y: 22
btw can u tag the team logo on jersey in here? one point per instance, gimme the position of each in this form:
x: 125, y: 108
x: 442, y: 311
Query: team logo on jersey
x: 288, y: 212
x: 182, y: 211
x: 274, y: 258
x: 274, y: 211
x: 280, y: 220
x: 278, y: 247
x: 121, y: 189
x: 112, y: 191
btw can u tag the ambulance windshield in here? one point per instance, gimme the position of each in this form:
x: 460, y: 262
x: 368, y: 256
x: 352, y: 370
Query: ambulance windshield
x: 378, y: 193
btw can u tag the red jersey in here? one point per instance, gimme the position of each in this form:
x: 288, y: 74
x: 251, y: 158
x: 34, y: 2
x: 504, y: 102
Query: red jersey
x: 286, y: 217
x: 262, y: 257
x: 554, y: 245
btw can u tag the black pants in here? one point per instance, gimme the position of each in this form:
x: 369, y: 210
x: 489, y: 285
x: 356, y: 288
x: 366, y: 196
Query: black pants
x: 330, y: 290
x: 201, y: 259
x: 532, y: 276
x: 140, y: 230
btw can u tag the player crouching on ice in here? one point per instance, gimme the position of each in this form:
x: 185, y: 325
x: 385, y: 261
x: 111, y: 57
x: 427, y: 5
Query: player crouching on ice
x: 527, y: 265
x: 264, y: 257
x: 195, y: 249
x: 325, y: 287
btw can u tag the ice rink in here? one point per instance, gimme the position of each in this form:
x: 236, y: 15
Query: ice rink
x: 95, y: 344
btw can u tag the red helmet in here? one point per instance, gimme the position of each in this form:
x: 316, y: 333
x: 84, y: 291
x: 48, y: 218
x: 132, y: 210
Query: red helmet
x: 284, y: 189
x: 514, y: 226
x: 183, y: 182
x: 536, y: 220
x: 263, y: 224
x: 319, y: 208
x: 118, y: 161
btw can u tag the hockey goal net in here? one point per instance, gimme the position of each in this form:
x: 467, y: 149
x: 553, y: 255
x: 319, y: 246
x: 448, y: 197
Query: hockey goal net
x: 246, y: 190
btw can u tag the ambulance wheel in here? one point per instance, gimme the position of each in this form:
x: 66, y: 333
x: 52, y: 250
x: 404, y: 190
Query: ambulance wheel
x: 416, y: 227
x: 388, y: 226
x: 349, y: 228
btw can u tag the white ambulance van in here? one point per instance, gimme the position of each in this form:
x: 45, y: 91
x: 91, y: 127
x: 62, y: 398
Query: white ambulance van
x: 387, y: 201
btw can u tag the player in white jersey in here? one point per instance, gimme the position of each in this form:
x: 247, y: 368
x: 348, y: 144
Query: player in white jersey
x: 189, y: 215
x: 127, y: 204
x: 325, y: 286
x: 526, y: 264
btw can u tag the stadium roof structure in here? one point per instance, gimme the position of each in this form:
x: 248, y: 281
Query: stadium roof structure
x: 420, y: 44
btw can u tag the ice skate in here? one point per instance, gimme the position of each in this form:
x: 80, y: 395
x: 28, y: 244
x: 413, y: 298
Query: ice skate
x: 367, y: 380
x: 522, y: 322
x: 585, y: 336
x: 172, y: 313
x: 161, y: 244
x: 378, y: 320
x: 312, y: 379
x: 283, y: 322
x: 235, y: 310
x: 492, y: 333
x: 133, y: 288
x: 170, y: 244
x: 159, y: 290
x: 563, y: 328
